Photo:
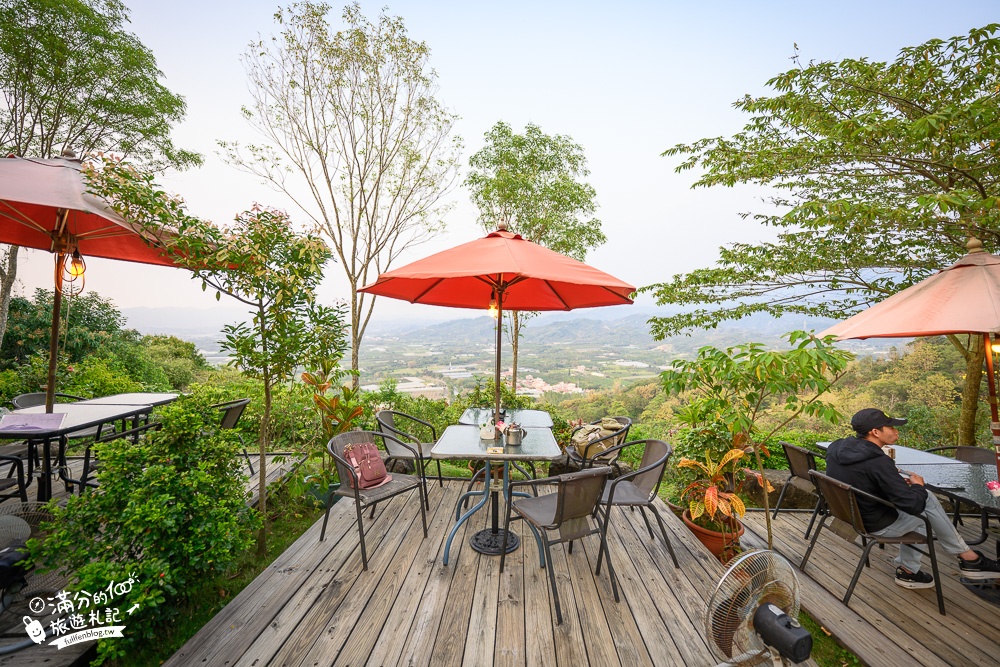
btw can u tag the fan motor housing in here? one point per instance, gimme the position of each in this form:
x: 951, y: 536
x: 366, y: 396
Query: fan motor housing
x: 783, y: 633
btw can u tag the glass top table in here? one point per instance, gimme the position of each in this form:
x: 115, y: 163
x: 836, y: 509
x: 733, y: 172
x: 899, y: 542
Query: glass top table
x: 79, y: 416
x: 525, y: 418
x: 908, y: 456
x: 463, y: 442
x: 964, y: 482
x: 137, y: 398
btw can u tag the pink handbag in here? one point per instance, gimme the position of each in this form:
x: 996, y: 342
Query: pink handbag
x: 368, y: 466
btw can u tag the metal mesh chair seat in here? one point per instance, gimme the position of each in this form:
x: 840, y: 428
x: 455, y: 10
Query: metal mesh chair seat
x: 365, y: 498
x: 627, y: 494
x: 968, y: 454
x: 398, y: 484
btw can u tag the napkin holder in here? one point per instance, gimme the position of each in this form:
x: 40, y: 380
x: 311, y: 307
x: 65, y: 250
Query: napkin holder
x: 488, y: 432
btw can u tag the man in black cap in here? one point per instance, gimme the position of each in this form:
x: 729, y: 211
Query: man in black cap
x: 860, y: 461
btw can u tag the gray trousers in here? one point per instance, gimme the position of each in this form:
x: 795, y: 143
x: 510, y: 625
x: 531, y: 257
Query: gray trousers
x: 947, y: 537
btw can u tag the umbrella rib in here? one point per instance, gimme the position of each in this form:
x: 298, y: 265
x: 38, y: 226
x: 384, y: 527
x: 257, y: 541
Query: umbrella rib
x: 420, y: 296
x: 21, y: 218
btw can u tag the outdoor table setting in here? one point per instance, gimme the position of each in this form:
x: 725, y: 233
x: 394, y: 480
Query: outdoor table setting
x: 463, y: 441
x: 31, y: 425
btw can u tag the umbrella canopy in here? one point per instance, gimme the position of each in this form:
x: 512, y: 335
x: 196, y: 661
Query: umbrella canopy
x: 44, y: 204
x: 507, y: 270
x: 528, y: 276
x: 32, y: 194
x: 963, y: 298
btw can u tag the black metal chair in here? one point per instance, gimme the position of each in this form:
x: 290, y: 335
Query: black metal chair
x: 639, y: 488
x: 800, y: 462
x: 231, y: 413
x: 408, y: 429
x: 87, y: 478
x: 841, y: 501
x: 598, y: 452
x: 569, y: 511
x: 14, y: 485
x: 365, y: 498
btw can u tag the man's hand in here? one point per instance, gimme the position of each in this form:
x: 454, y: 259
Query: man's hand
x: 914, y: 478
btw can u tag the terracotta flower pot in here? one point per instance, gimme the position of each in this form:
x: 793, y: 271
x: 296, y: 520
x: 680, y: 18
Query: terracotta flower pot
x: 716, y: 542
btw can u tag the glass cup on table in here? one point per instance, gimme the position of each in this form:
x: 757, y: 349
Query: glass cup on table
x: 890, y: 451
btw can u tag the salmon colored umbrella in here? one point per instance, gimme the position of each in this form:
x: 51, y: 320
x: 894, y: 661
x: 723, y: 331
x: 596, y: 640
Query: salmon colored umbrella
x: 506, y: 270
x: 963, y: 298
x: 44, y: 204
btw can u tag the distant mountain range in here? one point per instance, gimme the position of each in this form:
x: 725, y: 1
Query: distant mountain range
x: 614, y: 328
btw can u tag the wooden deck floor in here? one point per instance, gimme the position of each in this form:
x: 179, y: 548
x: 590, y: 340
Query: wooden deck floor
x: 885, y: 625
x: 315, y: 606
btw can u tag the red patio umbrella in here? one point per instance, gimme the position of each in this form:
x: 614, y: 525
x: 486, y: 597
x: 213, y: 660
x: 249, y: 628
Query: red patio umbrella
x: 507, y: 270
x: 963, y: 298
x: 44, y: 204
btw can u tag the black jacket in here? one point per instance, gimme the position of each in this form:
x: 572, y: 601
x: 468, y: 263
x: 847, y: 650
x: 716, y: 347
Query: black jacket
x: 862, y: 464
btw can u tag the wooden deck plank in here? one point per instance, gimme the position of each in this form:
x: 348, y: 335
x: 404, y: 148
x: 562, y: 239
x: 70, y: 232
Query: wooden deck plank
x: 945, y: 636
x: 511, y: 643
x: 449, y: 643
x: 324, y: 634
x: 416, y: 611
x: 426, y: 622
x: 327, y: 584
x: 394, y: 639
x: 539, y: 617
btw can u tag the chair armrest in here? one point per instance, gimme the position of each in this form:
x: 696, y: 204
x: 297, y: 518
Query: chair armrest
x: 346, y: 466
x: 941, y: 449
x: 609, y: 450
x: 530, y: 482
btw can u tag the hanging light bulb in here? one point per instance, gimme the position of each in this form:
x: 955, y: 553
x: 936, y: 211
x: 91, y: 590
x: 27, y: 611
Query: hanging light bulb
x: 71, y: 270
x: 77, y: 267
x: 493, y: 307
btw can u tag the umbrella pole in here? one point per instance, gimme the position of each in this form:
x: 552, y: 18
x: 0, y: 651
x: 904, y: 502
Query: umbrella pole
x: 991, y: 385
x: 496, y: 377
x: 50, y: 384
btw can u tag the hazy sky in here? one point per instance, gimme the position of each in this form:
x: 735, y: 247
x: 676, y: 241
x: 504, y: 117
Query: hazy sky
x: 624, y: 81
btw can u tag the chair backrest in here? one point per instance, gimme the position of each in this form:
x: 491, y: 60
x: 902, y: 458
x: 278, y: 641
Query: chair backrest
x: 840, y: 500
x: 36, y: 398
x: 974, y: 454
x: 655, y: 455
x: 231, y: 412
x: 341, y: 440
x: 577, y: 496
x: 800, y: 460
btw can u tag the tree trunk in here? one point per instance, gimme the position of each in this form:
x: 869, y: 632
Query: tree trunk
x: 515, y: 331
x: 974, y: 358
x: 264, y: 439
x: 8, y: 274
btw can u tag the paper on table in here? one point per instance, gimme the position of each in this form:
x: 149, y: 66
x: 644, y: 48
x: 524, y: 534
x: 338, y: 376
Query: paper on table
x: 38, y: 421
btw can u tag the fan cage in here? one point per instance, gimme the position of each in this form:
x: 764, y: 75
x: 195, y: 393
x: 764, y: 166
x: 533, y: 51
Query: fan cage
x: 755, y: 578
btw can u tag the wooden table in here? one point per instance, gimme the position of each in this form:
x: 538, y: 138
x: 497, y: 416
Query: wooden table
x: 78, y: 417
x: 525, y: 418
x: 463, y: 442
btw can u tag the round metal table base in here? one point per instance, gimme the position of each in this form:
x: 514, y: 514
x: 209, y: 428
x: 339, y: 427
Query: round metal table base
x: 490, y: 543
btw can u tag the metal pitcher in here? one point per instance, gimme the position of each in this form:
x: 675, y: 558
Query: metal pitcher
x: 515, y: 434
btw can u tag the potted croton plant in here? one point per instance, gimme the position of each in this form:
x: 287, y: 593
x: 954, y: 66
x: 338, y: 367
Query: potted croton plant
x: 714, y: 508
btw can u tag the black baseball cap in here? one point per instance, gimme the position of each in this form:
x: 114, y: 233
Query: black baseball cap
x: 872, y: 418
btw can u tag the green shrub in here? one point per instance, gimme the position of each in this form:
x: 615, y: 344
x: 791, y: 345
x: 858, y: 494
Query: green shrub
x: 169, y: 511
